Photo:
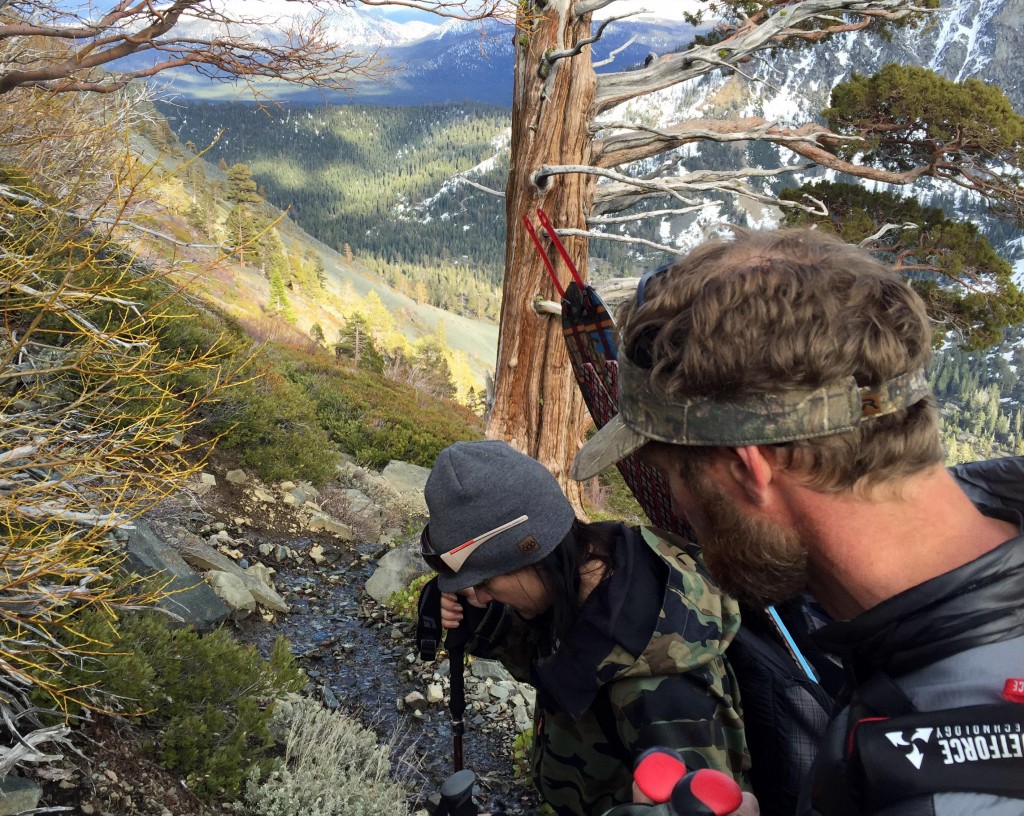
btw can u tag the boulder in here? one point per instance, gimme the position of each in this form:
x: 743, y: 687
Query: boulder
x: 405, y: 478
x: 18, y: 795
x: 492, y: 669
x: 206, y: 558
x: 359, y: 504
x: 237, y: 476
x: 233, y: 592
x: 395, y: 571
x: 263, y: 573
x: 320, y: 522
x: 192, y: 602
x: 204, y: 483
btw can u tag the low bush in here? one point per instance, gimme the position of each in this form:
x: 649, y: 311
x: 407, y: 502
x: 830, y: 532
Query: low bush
x: 333, y: 766
x: 210, y: 698
x: 608, y: 498
x: 275, y: 426
x: 377, y: 419
x: 404, y: 603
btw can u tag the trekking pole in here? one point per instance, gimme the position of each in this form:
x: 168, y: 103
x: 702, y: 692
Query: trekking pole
x: 428, y: 636
x: 455, y: 644
x: 661, y: 776
x: 457, y: 794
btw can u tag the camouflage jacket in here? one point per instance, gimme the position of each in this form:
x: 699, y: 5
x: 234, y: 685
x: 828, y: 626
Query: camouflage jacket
x: 644, y: 666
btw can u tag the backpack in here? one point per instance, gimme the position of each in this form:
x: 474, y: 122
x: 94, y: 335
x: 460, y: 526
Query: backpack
x: 886, y: 757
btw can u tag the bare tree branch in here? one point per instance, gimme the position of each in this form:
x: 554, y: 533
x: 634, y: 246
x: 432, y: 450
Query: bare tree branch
x: 304, y: 53
x: 553, y: 56
x: 884, y: 230
x: 634, y: 142
x: 745, y: 39
x: 622, y: 239
x: 466, y: 180
x: 614, y: 53
x: 640, y: 216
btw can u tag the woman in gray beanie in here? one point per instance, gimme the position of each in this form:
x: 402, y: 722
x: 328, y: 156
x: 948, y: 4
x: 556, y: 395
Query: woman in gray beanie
x: 617, y: 629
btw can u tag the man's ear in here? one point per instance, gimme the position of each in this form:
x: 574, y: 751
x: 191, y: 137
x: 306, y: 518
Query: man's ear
x: 752, y: 468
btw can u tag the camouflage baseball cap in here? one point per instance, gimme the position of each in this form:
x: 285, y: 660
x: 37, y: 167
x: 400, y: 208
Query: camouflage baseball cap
x: 765, y: 419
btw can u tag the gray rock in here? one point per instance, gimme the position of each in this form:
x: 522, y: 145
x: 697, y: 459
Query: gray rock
x: 296, y: 497
x: 523, y: 720
x: 237, y: 476
x: 207, y: 558
x: 415, y: 701
x: 405, y: 478
x: 18, y: 795
x: 488, y: 669
x: 192, y: 601
x: 395, y: 571
x: 319, y: 521
x: 329, y: 697
x: 204, y: 483
x: 435, y: 694
x: 232, y: 590
x: 500, y: 692
x: 359, y: 504
x: 262, y: 573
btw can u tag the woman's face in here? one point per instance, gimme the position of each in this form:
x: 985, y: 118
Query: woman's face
x: 523, y: 590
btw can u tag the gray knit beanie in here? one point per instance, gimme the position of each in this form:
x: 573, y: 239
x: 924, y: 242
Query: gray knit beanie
x: 475, y: 487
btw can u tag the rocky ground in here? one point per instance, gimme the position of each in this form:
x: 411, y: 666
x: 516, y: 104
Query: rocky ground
x: 359, y: 656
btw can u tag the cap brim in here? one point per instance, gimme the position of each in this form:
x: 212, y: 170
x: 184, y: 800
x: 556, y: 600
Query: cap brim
x: 615, y: 441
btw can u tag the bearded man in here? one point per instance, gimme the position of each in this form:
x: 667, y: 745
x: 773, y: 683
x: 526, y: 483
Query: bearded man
x: 777, y: 381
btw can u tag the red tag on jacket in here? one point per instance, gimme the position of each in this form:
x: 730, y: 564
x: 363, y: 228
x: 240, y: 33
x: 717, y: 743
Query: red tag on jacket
x: 1014, y: 690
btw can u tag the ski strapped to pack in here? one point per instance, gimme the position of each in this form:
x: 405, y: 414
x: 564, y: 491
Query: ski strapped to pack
x: 589, y: 332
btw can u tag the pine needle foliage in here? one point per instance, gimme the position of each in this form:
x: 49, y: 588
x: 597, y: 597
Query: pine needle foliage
x: 209, y: 698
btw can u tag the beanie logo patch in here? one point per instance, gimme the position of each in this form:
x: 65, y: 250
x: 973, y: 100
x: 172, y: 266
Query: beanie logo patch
x: 528, y: 545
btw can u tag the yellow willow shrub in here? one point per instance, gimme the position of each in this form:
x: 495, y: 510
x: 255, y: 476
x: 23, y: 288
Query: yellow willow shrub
x: 97, y: 418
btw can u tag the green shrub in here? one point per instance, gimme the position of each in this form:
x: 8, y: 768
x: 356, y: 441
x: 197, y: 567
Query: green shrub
x: 521, y: 748
x: 210, y: 698
x: 333, y: 766
x: 377, y: 419
x: 610, y: 499
x: 275, y: 425
x: 405, y: 602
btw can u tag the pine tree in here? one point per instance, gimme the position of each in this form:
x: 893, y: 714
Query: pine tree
x: 278, y: 304
x: 241, y: 185
x: 355, y: 344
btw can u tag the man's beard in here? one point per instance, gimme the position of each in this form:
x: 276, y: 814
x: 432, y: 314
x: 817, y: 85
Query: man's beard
x: 756, y: 561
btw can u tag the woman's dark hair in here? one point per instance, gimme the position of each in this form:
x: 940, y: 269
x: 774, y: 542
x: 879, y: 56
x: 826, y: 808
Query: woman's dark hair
x: 560, y: 571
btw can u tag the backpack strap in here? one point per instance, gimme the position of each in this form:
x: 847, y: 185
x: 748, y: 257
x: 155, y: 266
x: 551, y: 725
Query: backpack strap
x: 886, y: 754
x: 428, y: 620
x: 978, y: 749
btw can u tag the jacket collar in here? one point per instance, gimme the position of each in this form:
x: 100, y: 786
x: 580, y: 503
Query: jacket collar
x: 618, y: 619
x: 972, y: 605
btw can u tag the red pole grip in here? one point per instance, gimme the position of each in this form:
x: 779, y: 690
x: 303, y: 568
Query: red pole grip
x: 706, y: 793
